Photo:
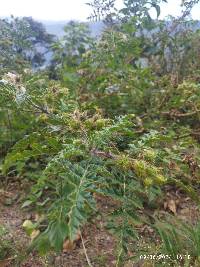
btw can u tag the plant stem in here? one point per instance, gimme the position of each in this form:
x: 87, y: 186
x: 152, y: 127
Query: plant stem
x: 85, y: 251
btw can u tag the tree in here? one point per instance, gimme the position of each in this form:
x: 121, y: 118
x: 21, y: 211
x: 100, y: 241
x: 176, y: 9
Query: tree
x: 24, y: 42
x: 69, y: 50
x: 139, y: 9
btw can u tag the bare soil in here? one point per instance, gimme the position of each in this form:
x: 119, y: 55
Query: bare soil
x: 99, y: 243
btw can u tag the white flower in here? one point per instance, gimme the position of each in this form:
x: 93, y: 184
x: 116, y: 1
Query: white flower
x: 20, y: 94
x: 124, y: 37
x: 112, y: 89
x: 27, y: 71
x: 22, y: 90
x: 5, y: 82
x: 12, y: 78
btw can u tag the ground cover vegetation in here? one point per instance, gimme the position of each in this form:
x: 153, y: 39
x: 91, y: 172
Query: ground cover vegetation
x: 113, y: 120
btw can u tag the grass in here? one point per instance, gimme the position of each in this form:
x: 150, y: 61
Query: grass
x: 9, y: 251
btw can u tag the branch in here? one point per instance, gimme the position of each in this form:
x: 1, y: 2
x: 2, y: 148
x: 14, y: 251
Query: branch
x: 177, y: 114
x: 102, y: 154
x: 85, y: 251
x: 38, y: 107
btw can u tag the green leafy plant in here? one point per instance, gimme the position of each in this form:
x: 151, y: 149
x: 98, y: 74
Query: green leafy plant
x: 107, y: 127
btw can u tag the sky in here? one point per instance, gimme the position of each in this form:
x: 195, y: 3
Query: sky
x: 57, y: 10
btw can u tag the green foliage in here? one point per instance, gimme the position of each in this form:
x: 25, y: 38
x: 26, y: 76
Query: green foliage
x: 68, y: 51
x: 20, y: 39
x: 120, y: 130
x: 139, y: 10
x: 10, y: 251
x: 179, y: 240
x: 82, y: 162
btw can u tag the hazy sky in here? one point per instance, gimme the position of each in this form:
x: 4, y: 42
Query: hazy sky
x: 69, y: 9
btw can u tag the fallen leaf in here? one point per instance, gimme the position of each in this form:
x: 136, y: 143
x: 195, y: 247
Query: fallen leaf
x: 165, y: 205
x: 78, y: 236
x: 68, y: 245
x: 172, y: 206
x: 34, y: 234
x: 28, y: 226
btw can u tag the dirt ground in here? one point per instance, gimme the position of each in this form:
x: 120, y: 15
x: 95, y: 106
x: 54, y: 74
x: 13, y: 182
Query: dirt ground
x: 100, y: 245
x: 98, y: 242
